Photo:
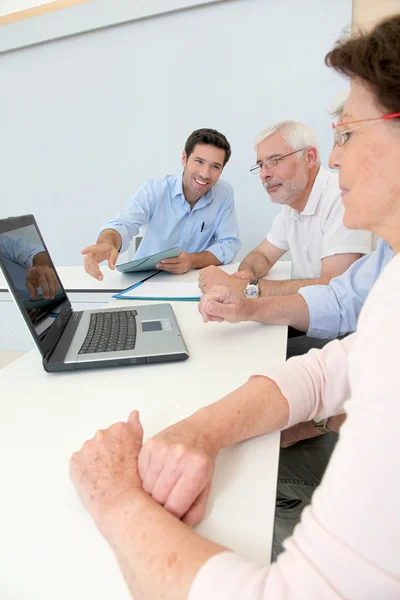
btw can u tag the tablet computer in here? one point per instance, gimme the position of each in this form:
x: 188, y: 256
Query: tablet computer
x: 147, y: 263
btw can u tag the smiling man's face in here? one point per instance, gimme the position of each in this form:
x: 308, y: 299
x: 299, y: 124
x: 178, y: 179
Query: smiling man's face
x: 202, y: 169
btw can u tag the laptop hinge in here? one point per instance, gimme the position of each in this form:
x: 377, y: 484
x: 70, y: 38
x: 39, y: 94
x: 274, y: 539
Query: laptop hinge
x: 61, y: 331
x: 64, y: 341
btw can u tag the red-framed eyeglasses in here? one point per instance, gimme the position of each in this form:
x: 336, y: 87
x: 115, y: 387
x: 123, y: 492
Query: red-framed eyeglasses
x: 340, y: 138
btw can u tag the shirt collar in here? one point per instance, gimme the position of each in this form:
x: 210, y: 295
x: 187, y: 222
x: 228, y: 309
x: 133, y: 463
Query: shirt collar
x: 177, y: 187
x: 177, y: 190
x: 317, y: 191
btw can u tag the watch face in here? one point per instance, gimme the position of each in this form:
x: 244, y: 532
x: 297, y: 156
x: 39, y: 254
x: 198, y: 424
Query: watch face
x: 252, y: 291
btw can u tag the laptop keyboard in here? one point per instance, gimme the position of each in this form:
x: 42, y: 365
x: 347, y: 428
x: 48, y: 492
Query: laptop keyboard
x: 110, y: 332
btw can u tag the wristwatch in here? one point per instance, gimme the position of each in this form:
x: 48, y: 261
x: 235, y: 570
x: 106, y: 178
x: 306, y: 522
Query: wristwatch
x: 321, y: 425
x: 252, y: 289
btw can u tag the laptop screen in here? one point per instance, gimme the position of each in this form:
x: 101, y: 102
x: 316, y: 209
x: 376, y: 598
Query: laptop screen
x: 32, y: 278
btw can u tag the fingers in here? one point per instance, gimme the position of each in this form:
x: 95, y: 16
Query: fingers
x: 196, y: 512
x: 178, y: 265
x: 205, y: 285
x: 207, y: 270
x: 134, y: 422
x: 53, y: 283
x: 95, y: 254
x: 92, y: 267
x: 112, y: 259
x: 144, y: 460
x: 214, y: 310
x: 221, y: 293
x: 188, y: 487
x: 41, y: 282
x: 175, y: 269
x: 211, y: 276
x: 202, y: 308
x: 31, y: 289
x: 174, y: 476
x: 171, y: 261
x: 164, y: 484
x: 162, y: 267
x: 243, y: 275
x: 215, y: 319
x: 219, y: 304
x: 89, y: 249
x: 208, y: 277
x: 151, y: 462
x: 47, y: 281
x: 151, y: 475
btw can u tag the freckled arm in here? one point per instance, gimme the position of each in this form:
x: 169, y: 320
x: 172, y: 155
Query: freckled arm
x: 158, y: 554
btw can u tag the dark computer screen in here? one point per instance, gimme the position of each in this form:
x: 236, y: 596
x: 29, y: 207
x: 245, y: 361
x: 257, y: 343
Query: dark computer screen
x: 32, y: 277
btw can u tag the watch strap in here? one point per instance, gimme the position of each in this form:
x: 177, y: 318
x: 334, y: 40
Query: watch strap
x: 321, y: 425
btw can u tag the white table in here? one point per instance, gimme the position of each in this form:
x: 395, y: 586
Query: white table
x: 74, y: 279
x: 49, y: 548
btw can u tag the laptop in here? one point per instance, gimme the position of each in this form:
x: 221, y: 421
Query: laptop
x: 69, y: 340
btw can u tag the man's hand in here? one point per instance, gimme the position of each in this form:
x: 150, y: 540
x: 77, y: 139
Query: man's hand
x: 179, y: 265
x: 212, y: 276
x: 223, y: 304
x: 301, y: 431
x: 176, y: 467
x: 244, y: 275
x: 43, y: 277
x: 95, y: 254
x: 106, y: 467
x: 307, y: 430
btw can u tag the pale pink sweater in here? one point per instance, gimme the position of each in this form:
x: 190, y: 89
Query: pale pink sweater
x: 347, y: 545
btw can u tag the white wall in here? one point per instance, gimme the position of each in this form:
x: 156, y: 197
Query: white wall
x: 78, y: 16
x: 86, y: 119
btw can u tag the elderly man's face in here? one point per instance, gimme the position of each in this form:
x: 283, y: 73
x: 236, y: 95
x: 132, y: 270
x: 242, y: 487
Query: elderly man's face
x: 287, y: 180
x: 368, y: 164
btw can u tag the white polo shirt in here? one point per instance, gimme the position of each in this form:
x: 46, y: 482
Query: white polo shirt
x: 318, y: 231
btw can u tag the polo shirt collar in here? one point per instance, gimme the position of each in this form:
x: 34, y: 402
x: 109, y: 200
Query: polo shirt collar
x: 317, y: 191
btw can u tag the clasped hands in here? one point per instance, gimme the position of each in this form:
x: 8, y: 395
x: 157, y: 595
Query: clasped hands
x: 223, y: 295
x: 175, y: 467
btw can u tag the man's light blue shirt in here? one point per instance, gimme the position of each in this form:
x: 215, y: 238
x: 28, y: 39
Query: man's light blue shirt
x: 19, y: 249
x: 334, y: 308
x: 160, y: 204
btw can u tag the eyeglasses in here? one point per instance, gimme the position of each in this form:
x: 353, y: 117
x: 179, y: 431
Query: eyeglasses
x: 340, y: 137
x: 271, y: 162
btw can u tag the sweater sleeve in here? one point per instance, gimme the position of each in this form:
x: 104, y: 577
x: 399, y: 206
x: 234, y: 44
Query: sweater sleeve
x: 317, y: 383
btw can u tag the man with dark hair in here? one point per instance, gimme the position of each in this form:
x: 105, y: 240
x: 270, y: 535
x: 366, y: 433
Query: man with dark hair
x: 194, y: 211
x: 211, y: 137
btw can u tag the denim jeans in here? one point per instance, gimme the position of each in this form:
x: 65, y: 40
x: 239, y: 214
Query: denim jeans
x: 301, y: 468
